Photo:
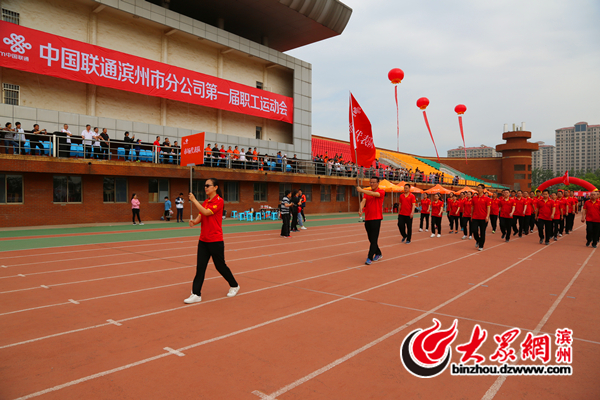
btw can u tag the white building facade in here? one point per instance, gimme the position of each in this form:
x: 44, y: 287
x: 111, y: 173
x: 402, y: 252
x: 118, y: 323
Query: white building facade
x: 482, y: 151
x: 545, y: 157
x: 577, y: 148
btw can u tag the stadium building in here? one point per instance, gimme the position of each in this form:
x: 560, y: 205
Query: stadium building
x: 166, y: 69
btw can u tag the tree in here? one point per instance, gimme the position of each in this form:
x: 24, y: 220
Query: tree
x: 539, y: 176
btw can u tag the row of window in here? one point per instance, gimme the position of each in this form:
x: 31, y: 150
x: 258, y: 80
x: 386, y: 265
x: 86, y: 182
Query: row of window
x: 68, y: 189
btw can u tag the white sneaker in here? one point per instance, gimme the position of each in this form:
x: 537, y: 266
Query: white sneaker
x: 439, y: 235
x: 426, y: 230
x: 134, y: 223
x: 193, y: 299
x: 470, y: 237
x: 432, y: 235
x: 464, y: 237
x: 233, y: 291
x: 303, y: 227
x: 560, y: 234
x: 141, y: 223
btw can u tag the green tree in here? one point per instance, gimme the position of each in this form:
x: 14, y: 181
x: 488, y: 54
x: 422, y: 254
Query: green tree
x: 539, y: 176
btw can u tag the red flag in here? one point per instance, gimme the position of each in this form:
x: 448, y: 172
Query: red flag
x: 566, y: 178
x: 361, y: 136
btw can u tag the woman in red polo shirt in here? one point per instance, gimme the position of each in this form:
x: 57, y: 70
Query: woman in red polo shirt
x: 211, y: 242
x: 466, y: 218
x: 425, y: 211
x: 437, y: 209
x: 454, y: 211
x: 494, y: 211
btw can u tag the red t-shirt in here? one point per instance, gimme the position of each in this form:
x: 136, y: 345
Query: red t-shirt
x: 562, y: 203
x: 557, y: 208
x: 529, y: 204
x: 495, y: 207
x: 545, y: 209
x: 425, y: 209
x: 592, y: 211
x: 406, y: 203
x: 454, y: 207
x: 506, y: 206
x: 466, y: 206
x: 519, y: 207
x: 436, y: 208
x: 374, y: 206
x: 480, y: 206
x: 574, y: 203
x: 211, y: 226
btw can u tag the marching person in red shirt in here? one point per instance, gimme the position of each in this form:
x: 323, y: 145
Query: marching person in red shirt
x: 571, y: 211
x: 494, y: 211
x: 481, y: 215
x: 532, y: 220
x: 519, y: 215
x: 425, y: 211
x: 449, y: 204
x: 528, y: 212
x: 562, y: 204
x: 466, y: 217
x: 406, y: 213
x: 211, y: 242
x: 507, y: 208
x: 590, y: 214
x: 455, y: 212
x: 437, y: 209
x: 372, y: 204
x: 557, y: 217
x: 545, y: 214
x: 461, y: 200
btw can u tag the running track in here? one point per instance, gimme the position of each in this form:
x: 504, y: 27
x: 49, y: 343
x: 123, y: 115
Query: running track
x: 107, y: 321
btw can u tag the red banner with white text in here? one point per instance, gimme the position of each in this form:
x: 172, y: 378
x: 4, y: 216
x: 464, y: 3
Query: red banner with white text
x: 38, y: 52
x: 361, y: 136
x: 192, y: 149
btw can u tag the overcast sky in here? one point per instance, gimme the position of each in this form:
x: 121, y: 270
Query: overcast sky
x: 508, y: 61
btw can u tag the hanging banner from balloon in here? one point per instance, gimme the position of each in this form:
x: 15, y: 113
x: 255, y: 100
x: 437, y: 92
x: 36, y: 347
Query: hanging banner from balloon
x: 460, y: 110
x: 422, y: 103
x: 395, y: 76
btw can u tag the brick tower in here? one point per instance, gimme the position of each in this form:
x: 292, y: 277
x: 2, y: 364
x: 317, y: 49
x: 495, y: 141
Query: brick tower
x: 516, y: 158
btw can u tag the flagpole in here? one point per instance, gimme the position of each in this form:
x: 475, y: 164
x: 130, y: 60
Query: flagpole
x: 355, y: 153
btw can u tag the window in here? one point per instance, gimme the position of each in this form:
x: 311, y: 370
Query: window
x: 231, y: 191
x: 260, y: 191
x: 519, y: 167
x: 307, y: 191
x: 259, y: 85
x: 157, y: 190
x: 198, y: 190
x: 490, y: 177
x: 283, y: 187
x: 258, y: 132
x: 520, y: 176
x: 11, y: 189
x: 10, y: 94
x: 10, y: 16
x: 325, y: 193
x: 529, y: 168
x: 115, y: 190
x: 340, y: 194
x: 67, y: 189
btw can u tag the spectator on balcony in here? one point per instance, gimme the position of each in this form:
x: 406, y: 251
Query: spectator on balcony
x: 242, y: 159
x: 65, y: 144
x: 208, y: 154
x: 37, y: 140
x: 104, y: 143
x: 129, y: 143
x: 249, y: 160
x: 20, y: 137
x: 229, y: 157
x: 175, y: 150
x: 96, y: 143
x: 9, y: 138
x: 137, y: 147
x: 215, y: 161
x: 156, y: 145
x: 87, y: 135
x: 236, y: 153
x: 166, y: 151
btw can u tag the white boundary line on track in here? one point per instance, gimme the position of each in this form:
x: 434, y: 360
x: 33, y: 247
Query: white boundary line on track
x: 225, y: 336
x: 241, y: 294
x: 493, y: 390
x: 146, y: 251
x: 168, y: 269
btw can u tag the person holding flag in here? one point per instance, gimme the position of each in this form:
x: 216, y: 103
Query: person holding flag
x: 372, y: 205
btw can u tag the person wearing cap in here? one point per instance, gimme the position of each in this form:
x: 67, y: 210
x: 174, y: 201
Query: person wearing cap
x: 179, y: 207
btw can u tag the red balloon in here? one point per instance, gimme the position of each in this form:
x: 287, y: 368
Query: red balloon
x: 422, y: 103
x: 396, y: 75
x: 460, y: 109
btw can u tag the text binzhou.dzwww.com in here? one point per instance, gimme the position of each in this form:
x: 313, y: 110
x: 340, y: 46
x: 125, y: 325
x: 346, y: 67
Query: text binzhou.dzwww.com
x: 506, y: 369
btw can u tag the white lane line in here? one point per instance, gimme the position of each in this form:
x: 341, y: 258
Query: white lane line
x: 112, y: 321
x: 21, y: 275
x: 215, y: 339
x: 493, y: 390
x: 165, y: 240
x: 213, y: 300
x: 162, y: 270
x: 3, y: 266
x: 73, y: 301
x: 348, y: 356
x: 262, y: 395
x: 153, y: 259
x: 175, y: 352
x: 44, y: 286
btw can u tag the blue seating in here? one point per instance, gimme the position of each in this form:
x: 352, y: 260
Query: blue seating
x: 120, y: 153
x: 73, y: 152
x: 274, y: 215
x: 233, y: 214
x: 258, y: 216
x: 80, y: 150
x: 46, y: 147
x: 242, y: 216
x: 27, y: 147
x: 249, y: 216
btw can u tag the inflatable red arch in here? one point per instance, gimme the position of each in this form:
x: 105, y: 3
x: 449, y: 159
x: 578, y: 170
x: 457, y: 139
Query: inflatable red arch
x: 575, y: 181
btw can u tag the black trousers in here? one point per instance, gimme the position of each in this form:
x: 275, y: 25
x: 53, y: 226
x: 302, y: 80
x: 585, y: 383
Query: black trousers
x: 479, y: 227
x: 592, y: 232
x: 104, y: 151
x: 544, y: 225
x: 494, y: 221
x: 454, y: 221
x: 302, y: 212
x: 179, y: 214
x: 405, y: 226
x: 462, y: 223
x: 206, y: 250
x: 515, y: 219
x: 294, y: 222
x: 34, y: 145
x: 426, y: 218
x: 520, y: 219
x: 532, y: 222
x: 87, y: 150
x: 136, y: 212
x: 373, y: 227
x: 285, y: 228
x: 466, y: 226
x: 570, y: 222
x: 555, y: 227
x: 526, y: 224
x: 436, y: 222
x: 561, y: 226
x: 506, y: 227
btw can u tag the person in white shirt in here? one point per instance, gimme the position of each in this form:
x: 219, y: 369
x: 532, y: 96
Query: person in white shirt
x: 20, y: 137
x: 66, y: 150
x: 179, y: 207
x: 97, y: 149
x: 87, y: 136
x: 242, y: 155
